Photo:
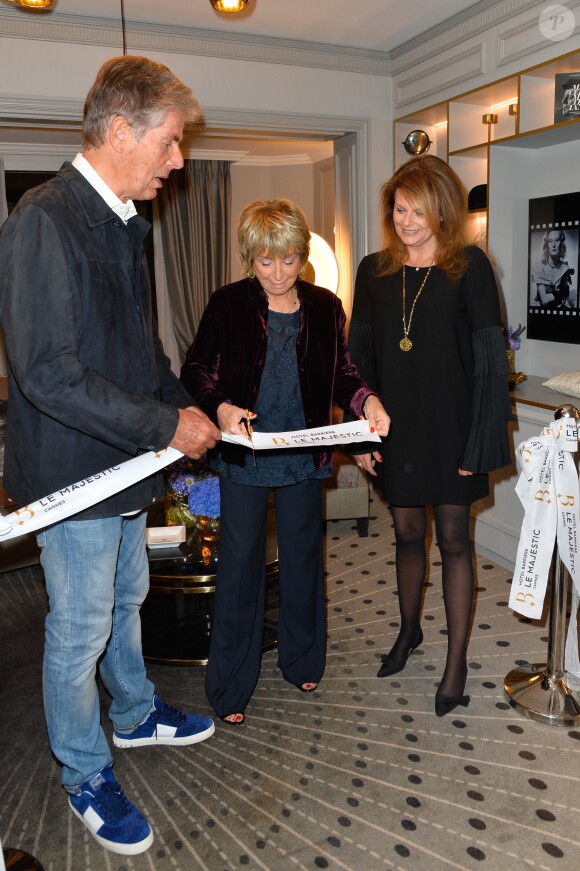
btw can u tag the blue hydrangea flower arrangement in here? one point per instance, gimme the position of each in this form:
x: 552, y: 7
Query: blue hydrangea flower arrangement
x: 191, y: 490
x: 204, y: 497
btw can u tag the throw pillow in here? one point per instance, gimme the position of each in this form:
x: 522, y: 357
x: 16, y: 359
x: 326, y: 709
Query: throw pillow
x: 567, y: 382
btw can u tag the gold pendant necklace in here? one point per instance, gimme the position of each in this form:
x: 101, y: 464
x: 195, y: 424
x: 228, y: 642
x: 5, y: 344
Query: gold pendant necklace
x: 406, y: 344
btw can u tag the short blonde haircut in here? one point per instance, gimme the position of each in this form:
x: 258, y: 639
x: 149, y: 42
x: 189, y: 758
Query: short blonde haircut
x: 431, y: 185
x: 273, y: 227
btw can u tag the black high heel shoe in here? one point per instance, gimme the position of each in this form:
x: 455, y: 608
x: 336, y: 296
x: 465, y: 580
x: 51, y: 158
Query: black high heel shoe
x: 392, y: 666
x: 445, y: 704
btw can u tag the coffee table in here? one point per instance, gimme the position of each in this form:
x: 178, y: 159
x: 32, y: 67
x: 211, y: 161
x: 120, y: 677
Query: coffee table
x: 177, y: 615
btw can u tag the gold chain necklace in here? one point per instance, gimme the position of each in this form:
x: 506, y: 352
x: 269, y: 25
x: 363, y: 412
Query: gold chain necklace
x: 406, y: 344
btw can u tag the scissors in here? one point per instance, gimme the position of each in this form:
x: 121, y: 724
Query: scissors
x: 249, y: 428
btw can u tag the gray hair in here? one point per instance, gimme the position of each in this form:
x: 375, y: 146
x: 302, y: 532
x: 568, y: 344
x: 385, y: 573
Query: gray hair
x: 141, y: 90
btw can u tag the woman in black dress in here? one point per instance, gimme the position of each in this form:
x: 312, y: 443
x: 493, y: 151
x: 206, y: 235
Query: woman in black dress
x: 426, y: 335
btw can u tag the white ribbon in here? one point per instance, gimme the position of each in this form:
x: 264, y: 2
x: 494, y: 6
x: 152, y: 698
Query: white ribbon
x: 325, y: 436
x: 76, y: 497
x: 549, y: 491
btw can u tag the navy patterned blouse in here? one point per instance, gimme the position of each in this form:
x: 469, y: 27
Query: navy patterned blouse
x: 279, y: 409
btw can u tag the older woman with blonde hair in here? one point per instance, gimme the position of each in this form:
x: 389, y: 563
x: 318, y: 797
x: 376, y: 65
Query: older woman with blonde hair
x: 426, y: 334
x: 271, y: 348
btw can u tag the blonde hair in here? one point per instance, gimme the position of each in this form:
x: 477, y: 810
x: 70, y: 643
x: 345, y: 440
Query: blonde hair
x: 274, y: 227
x: 431, y: 185
x: 141, y: 90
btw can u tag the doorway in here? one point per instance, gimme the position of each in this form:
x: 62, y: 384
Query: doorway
x: 350, y: 148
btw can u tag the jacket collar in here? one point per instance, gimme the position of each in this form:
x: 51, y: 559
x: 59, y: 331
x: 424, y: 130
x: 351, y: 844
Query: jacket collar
x: 94, y: 209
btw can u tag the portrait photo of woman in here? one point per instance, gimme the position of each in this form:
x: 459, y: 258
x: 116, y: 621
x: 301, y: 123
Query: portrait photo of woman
x: 553, y: 279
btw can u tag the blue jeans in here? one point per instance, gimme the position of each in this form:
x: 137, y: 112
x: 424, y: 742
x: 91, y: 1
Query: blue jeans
x: 97, y: 576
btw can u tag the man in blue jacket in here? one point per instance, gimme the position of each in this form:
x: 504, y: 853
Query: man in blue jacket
x: 90, y: 387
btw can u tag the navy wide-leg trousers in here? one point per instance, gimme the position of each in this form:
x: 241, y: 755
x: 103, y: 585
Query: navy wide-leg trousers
x: 237, y: 635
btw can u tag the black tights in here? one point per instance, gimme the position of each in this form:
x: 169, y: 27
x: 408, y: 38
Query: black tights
x: 452, y: 528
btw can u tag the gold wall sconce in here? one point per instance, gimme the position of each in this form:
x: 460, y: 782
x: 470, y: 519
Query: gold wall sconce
x: 513, y: 108
x: 490, y: 118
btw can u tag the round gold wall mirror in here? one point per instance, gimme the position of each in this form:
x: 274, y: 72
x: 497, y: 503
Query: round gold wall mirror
x: 417, y: 142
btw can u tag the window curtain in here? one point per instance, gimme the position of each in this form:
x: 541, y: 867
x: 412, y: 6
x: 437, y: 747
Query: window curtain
x: 194, y: 215
x: 164, y: 313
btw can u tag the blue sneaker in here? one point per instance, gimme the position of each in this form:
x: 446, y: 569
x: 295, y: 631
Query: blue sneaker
x: 166, y: 725
x: 110, y: 817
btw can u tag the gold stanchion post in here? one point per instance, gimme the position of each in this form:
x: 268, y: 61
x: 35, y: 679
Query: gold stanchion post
x: 544, y: 695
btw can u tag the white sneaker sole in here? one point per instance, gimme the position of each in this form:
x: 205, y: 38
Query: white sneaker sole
x: 122, y: 849
x: 127, y: 742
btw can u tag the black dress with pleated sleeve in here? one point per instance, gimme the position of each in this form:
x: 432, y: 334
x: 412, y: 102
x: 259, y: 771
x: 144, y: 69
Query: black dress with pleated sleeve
x: 448, y: 396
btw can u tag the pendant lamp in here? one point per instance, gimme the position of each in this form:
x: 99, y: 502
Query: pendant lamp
x: 229, y: 5
x: 32, y: 4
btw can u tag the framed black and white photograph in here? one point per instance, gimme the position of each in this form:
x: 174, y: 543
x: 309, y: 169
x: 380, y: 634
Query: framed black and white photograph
x: 553, y: 246
x: 566, y: 96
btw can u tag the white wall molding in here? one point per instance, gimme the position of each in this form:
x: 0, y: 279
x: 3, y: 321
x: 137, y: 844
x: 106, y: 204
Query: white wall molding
x: 25, y: 110
x: 38, y: 158
x: 211, y: 154
x: 327, y: 126
x: 243, y: 158
x: 525, y: 38
x: 277, y: 160
x: 473, y: 22
x: 143, y: 38
x: 454, y: 70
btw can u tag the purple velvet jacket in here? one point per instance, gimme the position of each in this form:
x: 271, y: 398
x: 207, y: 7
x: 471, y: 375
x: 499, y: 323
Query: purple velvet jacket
x: 226, y: 360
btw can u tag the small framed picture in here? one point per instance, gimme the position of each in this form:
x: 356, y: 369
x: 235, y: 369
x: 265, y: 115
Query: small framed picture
x: 553, y: 244
x: 566, y: 97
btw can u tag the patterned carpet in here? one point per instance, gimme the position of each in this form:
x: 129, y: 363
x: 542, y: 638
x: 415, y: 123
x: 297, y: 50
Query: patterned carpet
x: 360, y: 775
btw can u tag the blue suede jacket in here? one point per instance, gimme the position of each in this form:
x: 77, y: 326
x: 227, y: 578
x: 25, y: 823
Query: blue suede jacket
x: 89, y: 383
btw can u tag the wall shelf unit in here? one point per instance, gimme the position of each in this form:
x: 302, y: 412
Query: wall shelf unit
x: 521, y: 105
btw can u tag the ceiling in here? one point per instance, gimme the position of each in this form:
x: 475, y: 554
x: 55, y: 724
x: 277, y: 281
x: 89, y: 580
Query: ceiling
x: 374, y: 25
x: 362, y: 25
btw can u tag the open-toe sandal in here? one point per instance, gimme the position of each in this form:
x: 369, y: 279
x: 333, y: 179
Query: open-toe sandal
x: 306, y: 687
x: 236, y: 719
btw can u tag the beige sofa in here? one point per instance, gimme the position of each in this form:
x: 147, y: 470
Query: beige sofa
x: 347, y: 494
